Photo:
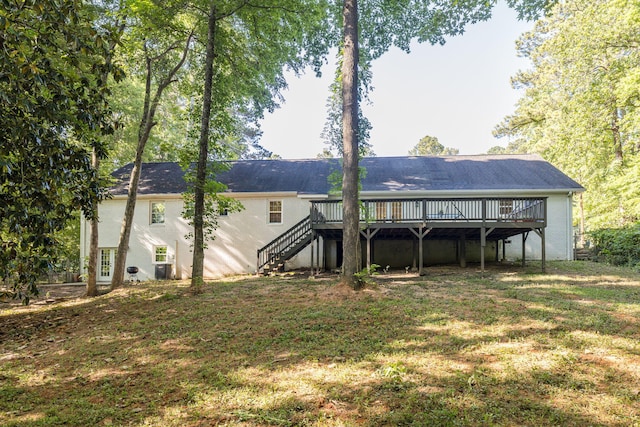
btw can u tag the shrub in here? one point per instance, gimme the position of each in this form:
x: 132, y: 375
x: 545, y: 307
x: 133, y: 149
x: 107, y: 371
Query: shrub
x: 619, y: 246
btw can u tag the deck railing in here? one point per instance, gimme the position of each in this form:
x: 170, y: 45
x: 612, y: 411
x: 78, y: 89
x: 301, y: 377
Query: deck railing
x: 425, y: 210
x: 283, y: 243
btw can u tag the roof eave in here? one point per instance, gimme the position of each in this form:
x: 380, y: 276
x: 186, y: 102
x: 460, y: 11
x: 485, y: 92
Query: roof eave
x: 470, y: 193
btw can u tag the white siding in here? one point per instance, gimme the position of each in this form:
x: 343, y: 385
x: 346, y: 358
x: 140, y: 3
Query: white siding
x: 557, y: 234
x: 233, y: 251
x: 241, y: 234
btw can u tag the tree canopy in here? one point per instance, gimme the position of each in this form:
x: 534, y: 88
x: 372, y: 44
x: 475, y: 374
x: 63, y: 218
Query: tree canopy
x: 430, y: 146
x: 54, y: 77
x: 248, y: 46
x: 367, y: 31
x: 159, y: 38
x: 53, y: 109
x: 580, y: 105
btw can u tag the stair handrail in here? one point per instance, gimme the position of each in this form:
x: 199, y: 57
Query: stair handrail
x: 283, y: 242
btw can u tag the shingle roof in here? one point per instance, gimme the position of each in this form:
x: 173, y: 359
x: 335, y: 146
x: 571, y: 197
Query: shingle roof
x: 461, y: 173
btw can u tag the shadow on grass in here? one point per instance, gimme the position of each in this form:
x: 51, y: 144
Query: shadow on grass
x: 431, y: 351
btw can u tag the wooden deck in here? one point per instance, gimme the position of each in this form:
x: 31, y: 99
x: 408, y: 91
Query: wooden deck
x: 462, y: 219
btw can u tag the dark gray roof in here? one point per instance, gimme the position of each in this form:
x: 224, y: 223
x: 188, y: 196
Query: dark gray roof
x: 446, y: 173
x: 155, y: 178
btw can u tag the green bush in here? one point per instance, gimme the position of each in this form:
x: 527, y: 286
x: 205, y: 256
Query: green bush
x: 619, y: 246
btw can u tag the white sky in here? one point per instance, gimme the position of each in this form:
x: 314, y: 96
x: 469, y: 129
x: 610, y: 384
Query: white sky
x: 457, y: 92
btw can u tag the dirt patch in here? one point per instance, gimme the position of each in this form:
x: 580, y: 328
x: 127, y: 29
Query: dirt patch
x: 50, y: 294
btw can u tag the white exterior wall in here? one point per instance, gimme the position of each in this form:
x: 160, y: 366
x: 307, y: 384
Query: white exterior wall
x: 558, y: 234
x: 144, y: 235
x: 241, y: 234
x: 233, y: 251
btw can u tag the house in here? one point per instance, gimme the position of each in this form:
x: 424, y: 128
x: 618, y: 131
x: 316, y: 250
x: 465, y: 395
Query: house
x: 415, y: 212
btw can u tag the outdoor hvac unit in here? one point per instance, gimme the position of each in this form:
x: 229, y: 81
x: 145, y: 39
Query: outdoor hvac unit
x: 163, y: 271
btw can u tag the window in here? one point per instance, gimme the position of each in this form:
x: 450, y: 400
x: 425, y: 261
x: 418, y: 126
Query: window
x: 388, y: 210
x: 105, y: 263
x: 157, y: 212
x: 506, y: 207
x: 396, y: 211
x: 381, y: 210
x: 275, y: 212
x: 160, y: 254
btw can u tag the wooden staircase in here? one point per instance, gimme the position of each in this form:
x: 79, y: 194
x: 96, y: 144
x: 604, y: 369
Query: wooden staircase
x: 584, y: 254
x: 272, y: 256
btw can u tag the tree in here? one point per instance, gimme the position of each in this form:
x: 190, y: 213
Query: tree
x: 92, y: 264
x: 350, y: 127
x: 53, y: 99
x: 332, y: 133
x: 100, y: 11
x: 375, y: 30
x: 325, y: 154
x: 497, y: 149
x: 430, y: 146
x: 197, y: 272
x: 259, y: 40
x: 171, y: 119
x: 164, y: 44
x: 579, y: 107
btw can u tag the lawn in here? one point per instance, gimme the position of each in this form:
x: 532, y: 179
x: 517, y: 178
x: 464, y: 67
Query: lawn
x: 512, y: 347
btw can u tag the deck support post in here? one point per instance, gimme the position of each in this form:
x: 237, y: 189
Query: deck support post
x: 544, y: 254
x: 318, y: 252
x: 524, y: 241
x: 313, y: 265
x: 483, y: 237
x: 483, y: 243
x: 420, y: 233
x: 420, y: 254
x: 540, y: 232
x: 368, y: 234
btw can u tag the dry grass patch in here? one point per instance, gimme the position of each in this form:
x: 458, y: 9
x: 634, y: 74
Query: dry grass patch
x: 512, y: 347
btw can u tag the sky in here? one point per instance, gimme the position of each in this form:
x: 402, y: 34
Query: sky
x: 457, y: 92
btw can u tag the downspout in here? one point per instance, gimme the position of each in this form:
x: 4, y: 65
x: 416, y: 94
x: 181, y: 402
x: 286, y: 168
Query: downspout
x: 569, y: 237
x: 83, y: 244
x: 176, y: 261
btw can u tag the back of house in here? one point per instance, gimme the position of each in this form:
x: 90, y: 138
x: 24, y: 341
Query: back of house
x: 415, y: 212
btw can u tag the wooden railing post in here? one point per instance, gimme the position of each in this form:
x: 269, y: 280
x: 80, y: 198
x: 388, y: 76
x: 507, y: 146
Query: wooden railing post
x: 484, y: 211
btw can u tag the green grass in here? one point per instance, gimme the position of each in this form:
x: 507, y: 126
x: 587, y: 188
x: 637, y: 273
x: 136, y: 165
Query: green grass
x: 453, y: 348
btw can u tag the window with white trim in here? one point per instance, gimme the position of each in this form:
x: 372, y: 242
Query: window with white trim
x: 160, y: 254
x: 106, y: 258
x: 275, y: 212
x: 157, y: 213
x: 506, y: 207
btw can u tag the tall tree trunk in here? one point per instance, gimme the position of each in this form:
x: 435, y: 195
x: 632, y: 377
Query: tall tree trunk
x: 92, y: 268
x: 127, y: 221
x: 144, y: 132
x: 197, y: 273
x: 351, y: 214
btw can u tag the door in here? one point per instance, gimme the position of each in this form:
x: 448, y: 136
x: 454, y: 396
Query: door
x: 106, y: 261
x: 339, y: 254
